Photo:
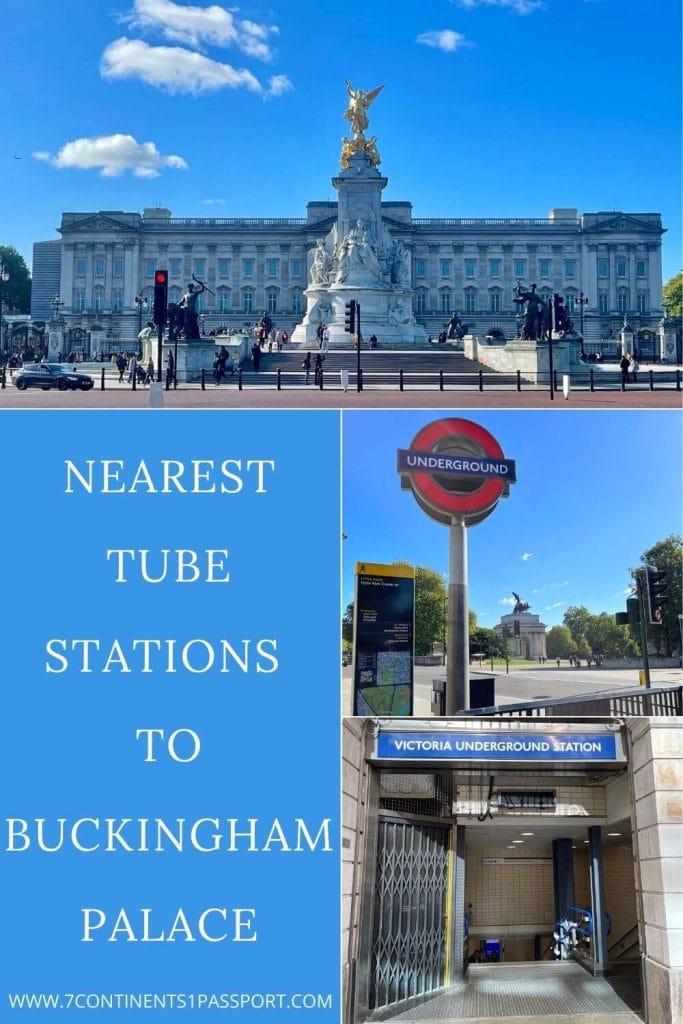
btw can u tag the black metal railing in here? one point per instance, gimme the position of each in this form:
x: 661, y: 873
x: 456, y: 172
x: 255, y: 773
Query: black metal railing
x: 666, y: 701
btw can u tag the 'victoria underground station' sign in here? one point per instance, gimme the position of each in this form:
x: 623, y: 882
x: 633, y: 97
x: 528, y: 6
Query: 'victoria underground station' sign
x: 490, y: 745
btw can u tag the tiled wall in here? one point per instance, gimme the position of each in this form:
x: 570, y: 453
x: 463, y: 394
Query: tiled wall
x: 619, y: 884
x: 509, y: 894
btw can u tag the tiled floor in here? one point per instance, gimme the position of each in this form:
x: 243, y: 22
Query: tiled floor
x: 548, y: 992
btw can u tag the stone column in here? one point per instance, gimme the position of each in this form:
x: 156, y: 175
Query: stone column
x: 655, y: 275
x: 632, y: 289
x: 108, y: 274
x: 657, y: 780
x: 66, y: 280
x: 611, y: 254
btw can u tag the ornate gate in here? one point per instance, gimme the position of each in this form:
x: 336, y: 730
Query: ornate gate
x: 410, y: 921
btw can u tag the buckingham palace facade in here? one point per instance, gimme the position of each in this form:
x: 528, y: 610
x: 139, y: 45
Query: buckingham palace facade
x: 104, y: 274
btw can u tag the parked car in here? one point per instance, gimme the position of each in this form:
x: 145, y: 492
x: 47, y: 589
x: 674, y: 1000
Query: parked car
x: 51, y: 375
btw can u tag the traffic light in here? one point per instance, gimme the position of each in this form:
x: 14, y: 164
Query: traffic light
x: 631, y: 617
x: 517, y: 630
x: 160, y: 296
x: 656, y: 594
x: 350, y: 317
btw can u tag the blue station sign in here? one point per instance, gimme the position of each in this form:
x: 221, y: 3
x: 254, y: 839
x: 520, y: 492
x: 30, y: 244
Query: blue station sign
x: 411, y: 461
x: 496, y: 746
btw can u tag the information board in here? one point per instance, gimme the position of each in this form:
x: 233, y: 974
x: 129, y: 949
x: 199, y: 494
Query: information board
x: 384, y: 614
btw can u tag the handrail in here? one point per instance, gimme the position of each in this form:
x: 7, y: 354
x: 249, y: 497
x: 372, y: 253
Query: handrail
x: 660, y: 700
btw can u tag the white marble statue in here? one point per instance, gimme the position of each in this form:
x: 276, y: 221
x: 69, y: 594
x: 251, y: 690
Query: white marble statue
x: 396, y: 314
x: 320, y: 268
x: 400, y: 264
x: 357, y: 253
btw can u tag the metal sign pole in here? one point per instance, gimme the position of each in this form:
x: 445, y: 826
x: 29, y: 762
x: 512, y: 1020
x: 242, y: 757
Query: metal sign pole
x: 358, y: 336
x: 640, y: 588
x: 458, y: 662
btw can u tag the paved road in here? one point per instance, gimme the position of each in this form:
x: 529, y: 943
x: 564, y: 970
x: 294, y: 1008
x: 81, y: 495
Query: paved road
x: 533, y: 683
x: 312, y: 398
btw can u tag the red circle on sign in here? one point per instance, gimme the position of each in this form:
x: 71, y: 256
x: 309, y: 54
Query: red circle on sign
x: 446, y: 501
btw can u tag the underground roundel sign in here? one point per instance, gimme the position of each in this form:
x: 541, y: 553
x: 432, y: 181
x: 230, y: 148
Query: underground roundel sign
x: 456, y: 471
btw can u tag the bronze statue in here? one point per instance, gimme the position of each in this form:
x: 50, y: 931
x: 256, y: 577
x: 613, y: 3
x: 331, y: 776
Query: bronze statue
x: 520, y: 606
x: 535, y: 313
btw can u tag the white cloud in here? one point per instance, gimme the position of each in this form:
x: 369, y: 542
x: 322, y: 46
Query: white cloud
x: 172, y: 68
x: 443, y: 39
x: 557, y: 604
x: 278, y: 85
x: 112, y: 155
x: 212, y: 202
x: 526, y: 556
x: 201, y: 26
x: 508, y: 600
x: 518, y: 6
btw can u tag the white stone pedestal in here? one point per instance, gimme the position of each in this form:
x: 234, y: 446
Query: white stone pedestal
x: 531, y: 358
x: 386, y: 313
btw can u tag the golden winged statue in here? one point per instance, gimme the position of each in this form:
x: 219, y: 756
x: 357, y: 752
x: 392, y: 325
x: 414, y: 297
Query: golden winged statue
x: 357, y: 110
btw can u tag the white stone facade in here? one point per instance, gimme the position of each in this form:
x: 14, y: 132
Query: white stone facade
x: 465, y: 265
x: 525, y: 634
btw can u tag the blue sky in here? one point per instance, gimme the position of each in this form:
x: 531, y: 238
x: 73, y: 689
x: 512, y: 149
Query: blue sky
x: 594, y: 490
x: 490, y: 107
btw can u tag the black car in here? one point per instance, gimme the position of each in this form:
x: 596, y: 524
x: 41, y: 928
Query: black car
x: 51, y: 375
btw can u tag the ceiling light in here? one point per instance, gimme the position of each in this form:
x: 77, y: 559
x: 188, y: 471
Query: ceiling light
x: 518, y: 841
x: 609, y: 833
x: 527, y: 833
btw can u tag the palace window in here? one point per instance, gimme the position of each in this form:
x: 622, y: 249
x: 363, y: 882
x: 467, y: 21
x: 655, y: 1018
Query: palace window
x: 570, y: 268
x: 570, y: 303
x: 117, y: 267
x: 201, y: 303
x: 494, y: 302
x: 80, y: 266
x: 420, y: 268
x: 224, y: 268
x: 297, y: 268
x: 471, y: 301
x: 223, y: 300
x: 642, y: 302
x: 296, y: 301
x: 176, y: 268
x: 445, y: 302
x: 520, y: 269
x: 272, y: 268
x: 544, y: 269
x: 622, y: 301
x: 603, y: 269
x: 117, y: 301
x: 248, y: 302
x: 603, y: 302
x: 79, y: 300
x: 621, y: 268
x: 470, y: 268
x: 99, y: 267
x: 248, y: 269
x: 445, y: 268
x: 494, y: 268
x: 640, y: 268
x: 421, y: 302
x: 150, y: 267
x: 272, y: 302
x: 200, y: 267
x: 98, y: 300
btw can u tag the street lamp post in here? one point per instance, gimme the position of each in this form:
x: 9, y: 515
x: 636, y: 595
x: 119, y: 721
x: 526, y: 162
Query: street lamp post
x: 141, y: 302
x: 582, y: 302
x: 4, y: 278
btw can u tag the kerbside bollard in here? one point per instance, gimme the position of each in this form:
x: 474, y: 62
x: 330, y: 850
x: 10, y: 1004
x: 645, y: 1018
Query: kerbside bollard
x: 400, y: 380
x: 279, y: 379
x: 519, y: 380
x: 102, y: 380
x: 203, y: 380
x: 565, y: 385
x: 592, y: 379
x: 678, y: 380
x: 239, y: 380
x: 440, y: 380
x: 481, y: 380
x: 4, y: 377
x: 461, y: 453
x: 652, y: 381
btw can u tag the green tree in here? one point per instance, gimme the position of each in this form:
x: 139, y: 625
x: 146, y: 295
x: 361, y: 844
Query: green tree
x: 559, y: 642
x: 347, y: 624
x: 16, y: 291
x: 672, y: 294
x: 598, y: 634
x: 668, y: 554
x: 488, y: 642
x: 430, y: 603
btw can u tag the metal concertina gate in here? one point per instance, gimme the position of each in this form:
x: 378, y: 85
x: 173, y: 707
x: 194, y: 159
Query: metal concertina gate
x: 409, y: 947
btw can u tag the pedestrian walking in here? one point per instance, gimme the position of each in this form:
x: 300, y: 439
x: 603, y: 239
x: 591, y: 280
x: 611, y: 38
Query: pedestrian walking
x: 306, y: 365
x: 149, y: 376
x: 624, y: 366
x: 170, y: 370
x: 121, y: 365
x: 256, y: 356
x: 319, y: 360
x: 132, y: 368
x: 635, y: 366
